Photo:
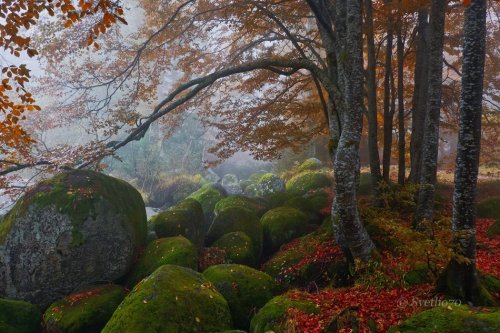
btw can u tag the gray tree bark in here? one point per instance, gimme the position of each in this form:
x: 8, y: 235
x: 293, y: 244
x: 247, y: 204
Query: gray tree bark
x: 419, y: 96
x: 460, y: 279
x: 371, y: 87
x: 425, y: 201
x: 388, y: 114
x: 401, y: 108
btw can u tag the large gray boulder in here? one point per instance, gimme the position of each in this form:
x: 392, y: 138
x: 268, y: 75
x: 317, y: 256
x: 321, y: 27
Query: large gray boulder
x: 77, y: 228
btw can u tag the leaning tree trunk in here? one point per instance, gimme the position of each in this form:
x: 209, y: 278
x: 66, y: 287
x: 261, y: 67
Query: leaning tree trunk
x: 425, y: 201
x: 460, y: 278
x: 386, y: 157
x: 347, y: 157
x: 419, y: 97
x: 371, y: 87
x: 401, y: 107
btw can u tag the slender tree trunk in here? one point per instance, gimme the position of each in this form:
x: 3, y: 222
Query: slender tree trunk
x: 460, y: 279
x: 386, y: 158
x: 371, y: 87
x: 401, y: 107
x: 419, y: 97
x: 425, y: 202
x: 345, y: 168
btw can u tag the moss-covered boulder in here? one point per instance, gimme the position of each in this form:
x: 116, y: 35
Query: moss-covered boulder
x: 172, y: 250
x: 85, y: 311
x: 245, y: 289
x: 172, y: 299
x: 208, y: 196
x: 315, y: 205
x: 258, y: 205
x: 185, y: 219
x: 169, y: 191
x: 231, y: 184
x: 19, y: 317
x: 237, y: 219
x: 278, y: 199
x: 238, y: 248
x: 281, y: 225
x: 313, y: 259
x: 274, y: 316
x: 308, y: 180
x: 77, y: 228
x: 310, y: 164
x: 452, y: 319
x: 269, y: 183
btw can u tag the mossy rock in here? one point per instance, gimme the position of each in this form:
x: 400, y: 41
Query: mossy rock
x: 270, y: 183
x: 172, y: 190
x: 208, y: 196
x: 491, y: 283
x: 281, y: 225
x: 19, y: 317
x: 489, y: 208
x: 306, y: 181
x: 275, y: 200
x: 245, y: 289
x: 451, y: 319
x: 172, y: 299
x: 314, y: 205
x: 419, y: 275
x: 238, y: 248
x: 172, y: 250
x: 258, y: 205
x: 297, y: 263
x: 273, y: 317
x: 310, y: 164
x: 85, y: 311
x: 237, y: 219
x: 185, y: 219
x: 74, y: 229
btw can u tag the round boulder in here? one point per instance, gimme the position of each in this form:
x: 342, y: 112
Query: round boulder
x: 258, y: 205
x: 245, y: 289
x: 172, y: 299
x: 172, y: 250
x: 19, y: 317
x: 281, y: 225
x: 306, y: 181
x: 208, y: 196
x: 237, y: 219
x: 185, y: 219
x: 270, y: 183
x: 238, y: 248
x: 72, y: 230
x: 87, y: 310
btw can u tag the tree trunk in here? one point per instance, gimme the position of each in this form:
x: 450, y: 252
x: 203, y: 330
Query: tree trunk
x: 419, y: 97
x: 425, y: 202
x: 401, y: 107
x: 371, y: 87
x: 345, y: 168
x: 386, y: 158
x: 460, y: 279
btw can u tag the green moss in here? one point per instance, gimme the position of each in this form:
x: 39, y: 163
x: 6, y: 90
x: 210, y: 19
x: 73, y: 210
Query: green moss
x: 490, y: 208
x: 419, y: 275
x: 273, y: 316
x: 173, y: 250
x: 281, y: 225
x: 306, y: 181
x: 208, y: 196
x: 75, y: 193
x: 278, y: 199
x: 186, y: 219
x: 313, y: 205
x: 237, y: 219
x: 245, y: 289
x: 18, y: 317
x: 365, y: 184
x: 86, y: 311
x: 238, y: 248
x: 491, y: 283
x: 270, y: 183
x: 310, y: 164
x: 451, y: 319
x: 172, y: 299
x: 259, y: 206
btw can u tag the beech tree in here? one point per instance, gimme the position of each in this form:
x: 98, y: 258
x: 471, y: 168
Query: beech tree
x: 460, y: 279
